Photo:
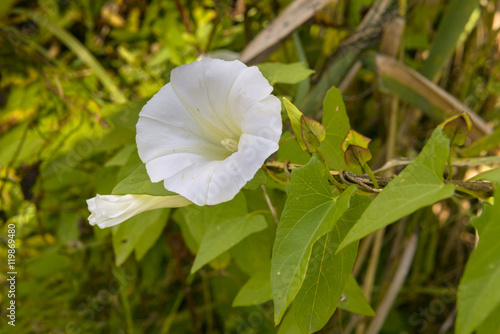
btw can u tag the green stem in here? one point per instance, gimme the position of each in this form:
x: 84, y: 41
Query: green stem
x: 337, y: 184
x: 274, y: 177
x: 450, y: 164
x: 368, y: 171
x: 126, y: 307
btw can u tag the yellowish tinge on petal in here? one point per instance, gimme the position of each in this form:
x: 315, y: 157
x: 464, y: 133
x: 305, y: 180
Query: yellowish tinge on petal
x: 230, y: 144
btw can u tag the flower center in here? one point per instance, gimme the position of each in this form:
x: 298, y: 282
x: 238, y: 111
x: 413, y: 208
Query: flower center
x: 230, y: 144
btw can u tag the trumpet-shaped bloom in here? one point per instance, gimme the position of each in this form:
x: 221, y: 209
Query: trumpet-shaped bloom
x: 207, y: 132
x: 109, y: 210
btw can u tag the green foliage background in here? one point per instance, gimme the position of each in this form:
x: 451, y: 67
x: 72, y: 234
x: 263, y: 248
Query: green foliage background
x: 75, y: 74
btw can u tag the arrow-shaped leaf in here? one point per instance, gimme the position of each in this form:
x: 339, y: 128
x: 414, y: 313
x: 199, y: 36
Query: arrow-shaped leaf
x: 479, y: 289
x: 420, y: 184
x: 221, y: 236
x: 310, y: 211
x: 327, y: 272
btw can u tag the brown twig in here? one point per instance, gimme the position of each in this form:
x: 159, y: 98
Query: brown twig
x: 397, y: 282
x: 270, y: 205
x: 371, y: 270
x: 483, y: 189
x: 186, y: 22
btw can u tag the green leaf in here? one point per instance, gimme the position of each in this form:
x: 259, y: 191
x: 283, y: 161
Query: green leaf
x: 295, y: 117
x: 492, y: 324
x: 5, y: 6
x: 313, y: 133
x: 290, y: 150
x: 221, y: 261
x: 221, y: 236
x: 257, y: 289
x: 310, y: 212
x: 139, y: 233
x: 289, y: 325
x: 355, y: 138
x: 494, y: 87
x: 285, y: 73
x: 191, y: 243
x: 126, y: 115
x: 199, y: 218
x: 67, y: 229
x: 357, y: 156
x: 105, y: 179
x: 456, y: 128
x: 337, y: 127
x: 452, y: 26
x: 258, y: 179
x: 80, y: 51
x: 492, y: 174
x: 332, y: 76
x: 139, y: 183
x: 10, y: 143
x: 420, y: 184
x: 47, y: 264
x: 121, y: 158
x: 356, y: 152
x: 304, y: 86
x: 253, y: 252
x: 354, y: 300
x: 485, y: 143
x: 327, y: 272
x: 479, y: 289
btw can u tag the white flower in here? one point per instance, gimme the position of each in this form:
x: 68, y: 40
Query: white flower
x: 109, y: 210
x: 207, y: 132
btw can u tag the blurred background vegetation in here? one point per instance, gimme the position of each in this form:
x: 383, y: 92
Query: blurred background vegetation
x: 74, y: 75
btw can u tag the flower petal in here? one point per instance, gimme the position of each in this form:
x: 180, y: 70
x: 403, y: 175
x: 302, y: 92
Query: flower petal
x: 252, y: 153
x: 233, y: 173
x: 263, y: 119
x: 248, y: 89
x: 157, y: 139
x: 164, y: 167
x: 203, y: 88
x: 193, y: 182
x: 110, y: 210
x: 164, y: 125
x: 210, y: 183
x: 165, y: 107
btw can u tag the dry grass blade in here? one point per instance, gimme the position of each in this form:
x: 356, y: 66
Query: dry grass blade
x: 389, y: 67
x: 293, y: 16
x: 392, y: 36
x: 396, y: 284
